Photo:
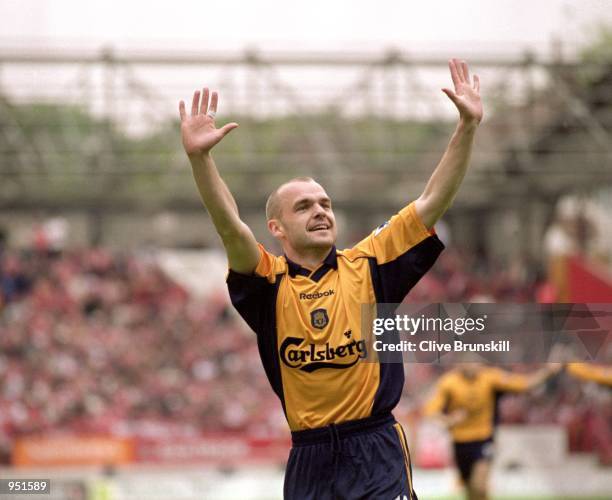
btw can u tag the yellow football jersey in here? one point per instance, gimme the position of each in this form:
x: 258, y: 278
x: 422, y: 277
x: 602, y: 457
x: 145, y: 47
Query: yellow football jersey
x: 309, y: 322
x: 477, y: 396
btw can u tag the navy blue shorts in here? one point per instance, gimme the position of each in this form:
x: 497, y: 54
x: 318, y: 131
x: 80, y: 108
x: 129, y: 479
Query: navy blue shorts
x: 468, y: 453
x: 362, y: 459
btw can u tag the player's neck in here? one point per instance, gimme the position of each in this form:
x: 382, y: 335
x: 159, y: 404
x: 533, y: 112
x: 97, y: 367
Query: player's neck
x: 310, y: 258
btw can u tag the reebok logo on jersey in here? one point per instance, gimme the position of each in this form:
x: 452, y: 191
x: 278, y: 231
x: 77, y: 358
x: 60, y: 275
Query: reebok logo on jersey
x: 316, y: 295
x: 311, y: 357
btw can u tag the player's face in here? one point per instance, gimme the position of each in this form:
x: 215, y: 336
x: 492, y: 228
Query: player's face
x: 306, y: 220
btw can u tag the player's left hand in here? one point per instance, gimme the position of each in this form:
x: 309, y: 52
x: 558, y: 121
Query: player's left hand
x: 466, y: 95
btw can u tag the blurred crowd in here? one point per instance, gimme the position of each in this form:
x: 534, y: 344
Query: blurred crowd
x: 98, y: 342
x: 103, y: 343
x: 460, y: 276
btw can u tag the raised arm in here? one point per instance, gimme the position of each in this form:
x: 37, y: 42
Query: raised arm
x: 199, y: 136
x: 601, y: 374
x: 446, y: 178
x: 515, y: 382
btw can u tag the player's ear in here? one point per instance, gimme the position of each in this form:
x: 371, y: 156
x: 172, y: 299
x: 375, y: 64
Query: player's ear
x: 275, y: 228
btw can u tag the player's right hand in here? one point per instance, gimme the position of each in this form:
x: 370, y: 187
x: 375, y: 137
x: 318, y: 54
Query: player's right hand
x: 456, y: 417
x: 198, y: 129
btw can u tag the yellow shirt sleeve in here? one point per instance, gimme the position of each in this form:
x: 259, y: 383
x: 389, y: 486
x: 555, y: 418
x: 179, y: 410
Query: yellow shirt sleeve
x: 592, y: 373
x: 437, y: 402
x: 507, y: 381
x: 269, y: 265
x: 395, y: 237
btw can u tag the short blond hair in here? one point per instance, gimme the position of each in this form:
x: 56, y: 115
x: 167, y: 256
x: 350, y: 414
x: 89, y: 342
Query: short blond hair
x: 273, y: 210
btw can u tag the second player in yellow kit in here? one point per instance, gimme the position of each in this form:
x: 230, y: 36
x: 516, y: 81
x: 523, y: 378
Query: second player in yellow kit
x: 465, y: 399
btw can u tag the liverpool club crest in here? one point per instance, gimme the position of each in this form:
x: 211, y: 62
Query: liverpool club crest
x: 319, y: 318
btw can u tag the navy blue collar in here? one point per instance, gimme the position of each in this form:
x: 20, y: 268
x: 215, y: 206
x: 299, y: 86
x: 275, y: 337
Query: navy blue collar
x: 330, y: 262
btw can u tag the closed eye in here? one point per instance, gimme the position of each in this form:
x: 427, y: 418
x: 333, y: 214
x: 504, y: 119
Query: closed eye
x: 325, y: 202
x: 301, y: 205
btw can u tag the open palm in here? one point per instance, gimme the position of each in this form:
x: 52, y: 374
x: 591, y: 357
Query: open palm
x: 466, y: 95
x: 198, y: 130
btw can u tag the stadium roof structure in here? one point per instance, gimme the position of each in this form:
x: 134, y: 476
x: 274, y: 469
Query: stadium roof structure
x: 101, y: 133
